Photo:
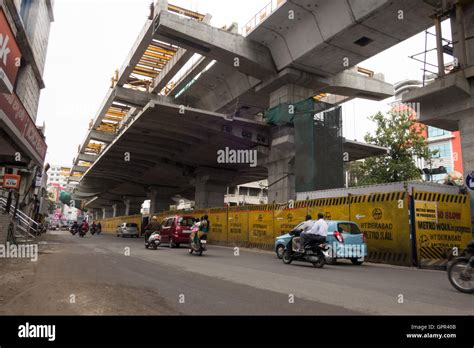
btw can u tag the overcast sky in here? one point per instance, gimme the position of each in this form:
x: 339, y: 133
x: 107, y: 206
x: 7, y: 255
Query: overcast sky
x: 90, y: 39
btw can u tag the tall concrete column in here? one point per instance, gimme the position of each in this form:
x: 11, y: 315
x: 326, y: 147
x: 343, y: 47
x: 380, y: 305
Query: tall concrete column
x: 106, y: 212
x: 211, y: 187
x: 127, y: 207
x: 160, y: 200
x: 118, y: 209
x: 280, y: 163
x: 132, y: 205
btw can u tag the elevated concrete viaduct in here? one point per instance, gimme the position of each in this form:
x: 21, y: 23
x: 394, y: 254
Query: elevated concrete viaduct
x: 447, y: 101
x: 169, y: 110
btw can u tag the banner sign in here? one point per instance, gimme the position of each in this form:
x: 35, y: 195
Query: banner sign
x: 17, y: 114
x: 10, y: 56
x: 11, y: 181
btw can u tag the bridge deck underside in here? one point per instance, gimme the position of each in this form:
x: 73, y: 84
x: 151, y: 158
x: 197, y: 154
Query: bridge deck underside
x: 163, y: 147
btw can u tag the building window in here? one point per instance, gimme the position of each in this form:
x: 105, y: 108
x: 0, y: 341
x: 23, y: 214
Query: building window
x: 444, y: 149
x: 434, y: 132
x: 441, y: 177
x: 25, y: 9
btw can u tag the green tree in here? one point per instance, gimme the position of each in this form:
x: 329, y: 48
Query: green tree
x: 402, y: 136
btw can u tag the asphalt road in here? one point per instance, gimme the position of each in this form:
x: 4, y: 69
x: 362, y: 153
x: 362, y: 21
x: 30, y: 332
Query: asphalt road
x: 108, y: 275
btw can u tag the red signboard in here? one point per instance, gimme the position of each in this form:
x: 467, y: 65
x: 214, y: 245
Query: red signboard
x: 10, y: 56
x: 17, y: 114
x: 11, y: 181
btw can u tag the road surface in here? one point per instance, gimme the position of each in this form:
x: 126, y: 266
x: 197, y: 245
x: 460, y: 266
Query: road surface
x: 115, y: 276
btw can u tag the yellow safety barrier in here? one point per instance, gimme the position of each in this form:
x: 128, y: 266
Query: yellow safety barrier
x: 218, y: 221
x: 442, y: 222
x: 384, y: 220
x: 285, y: 218
x: 238, y: 226
x: 109, y: 226
x: 260, y: 223
x: 333, y: 208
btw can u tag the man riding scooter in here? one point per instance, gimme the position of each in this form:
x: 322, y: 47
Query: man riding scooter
x: 153, y: 226
x: 316, y: 234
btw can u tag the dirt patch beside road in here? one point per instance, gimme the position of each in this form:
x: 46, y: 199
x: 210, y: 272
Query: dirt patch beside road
x: 50, y: 287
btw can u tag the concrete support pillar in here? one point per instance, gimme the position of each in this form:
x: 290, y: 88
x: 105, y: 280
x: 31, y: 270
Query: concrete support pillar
x: 211, y: 187
x: 280, y: 163
x: 118, y: 210
x: 132, y: 205
x: 290, y: 94
x: 106, y: 213
x: 127, y: 207
x: 160, y: 200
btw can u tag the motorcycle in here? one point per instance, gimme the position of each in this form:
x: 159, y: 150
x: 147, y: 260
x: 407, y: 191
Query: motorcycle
x: 313, y: 252
x: 73, y: 230
x: 82, y: 233
x: 460, y: 270
x: 153, y: 241
x: 201, y: 244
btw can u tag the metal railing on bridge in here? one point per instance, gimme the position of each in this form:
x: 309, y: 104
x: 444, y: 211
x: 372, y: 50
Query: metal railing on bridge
x: 262, y: 15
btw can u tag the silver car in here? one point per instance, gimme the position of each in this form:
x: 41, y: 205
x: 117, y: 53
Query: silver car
x: 128, y: 229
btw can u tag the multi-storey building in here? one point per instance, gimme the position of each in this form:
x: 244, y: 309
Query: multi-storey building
x: 24, y: 33
x: 247, y: 194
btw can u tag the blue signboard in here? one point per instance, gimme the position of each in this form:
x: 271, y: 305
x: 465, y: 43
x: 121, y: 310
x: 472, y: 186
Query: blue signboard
x: 470, y: 181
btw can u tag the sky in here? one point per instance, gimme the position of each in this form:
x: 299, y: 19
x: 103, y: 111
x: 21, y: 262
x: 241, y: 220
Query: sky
x: 90, y: 39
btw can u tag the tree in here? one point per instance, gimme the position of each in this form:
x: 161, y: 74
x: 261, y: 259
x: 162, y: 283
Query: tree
x: 403, y: 137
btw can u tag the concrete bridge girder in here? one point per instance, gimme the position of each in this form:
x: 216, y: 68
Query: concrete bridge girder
x: 253, y: 58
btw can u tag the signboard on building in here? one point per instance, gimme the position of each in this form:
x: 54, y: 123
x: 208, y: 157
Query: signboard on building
x: 11, y: 181
x: 10, y: 56
x: 13, y: 111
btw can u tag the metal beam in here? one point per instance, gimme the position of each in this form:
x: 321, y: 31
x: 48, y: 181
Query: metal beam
x: 102, y: 136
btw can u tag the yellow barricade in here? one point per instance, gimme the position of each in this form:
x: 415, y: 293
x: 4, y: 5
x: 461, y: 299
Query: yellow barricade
x: 261, y: 227
x: 385, y: 221
x: 218, y: 222
x: 442, y: 222
x: 238, y: 226
x: 109, y: 226
x: 285, y: 218
x: 333, y: 208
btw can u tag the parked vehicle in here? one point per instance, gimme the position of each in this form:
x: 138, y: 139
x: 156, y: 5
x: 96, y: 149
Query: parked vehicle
x: 175, y: 230
x: 201, y: 245
x: 153, y: 241
x: 345, y: 241
x: 128, y: 229
x: 460, y: 270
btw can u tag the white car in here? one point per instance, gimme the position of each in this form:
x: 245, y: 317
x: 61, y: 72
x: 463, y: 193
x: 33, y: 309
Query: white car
x: 128, y: 229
